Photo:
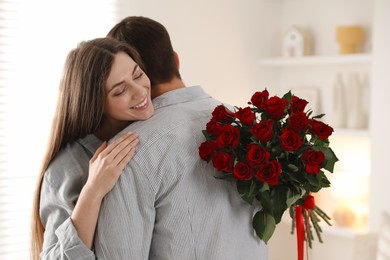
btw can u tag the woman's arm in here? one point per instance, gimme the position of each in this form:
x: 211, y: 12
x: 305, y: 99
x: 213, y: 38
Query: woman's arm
x: 105, y: 168
x: 70, y: 202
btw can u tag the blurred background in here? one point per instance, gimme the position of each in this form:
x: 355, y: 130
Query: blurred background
x: 232, y: 49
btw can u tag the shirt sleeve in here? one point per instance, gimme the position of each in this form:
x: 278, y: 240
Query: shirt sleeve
x: 61, y: 240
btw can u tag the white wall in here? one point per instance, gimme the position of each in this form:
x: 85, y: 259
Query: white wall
x: 380, y: 125
x: 43, y: 33
x: 218, y: 41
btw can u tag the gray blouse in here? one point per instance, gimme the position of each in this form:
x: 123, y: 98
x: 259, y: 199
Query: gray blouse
x: 61, y: 187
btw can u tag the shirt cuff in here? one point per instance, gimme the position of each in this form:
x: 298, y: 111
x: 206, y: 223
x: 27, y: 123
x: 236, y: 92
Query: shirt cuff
x: 71, y: 244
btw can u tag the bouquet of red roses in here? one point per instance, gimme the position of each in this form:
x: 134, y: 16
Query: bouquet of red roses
x: 276, y: 153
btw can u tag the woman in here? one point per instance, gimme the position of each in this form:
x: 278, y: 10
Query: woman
x: 102, y: 90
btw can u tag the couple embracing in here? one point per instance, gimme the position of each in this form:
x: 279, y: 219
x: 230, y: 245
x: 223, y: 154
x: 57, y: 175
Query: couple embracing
x: 122, y: 178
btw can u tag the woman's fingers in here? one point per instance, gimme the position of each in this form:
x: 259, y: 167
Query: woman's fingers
x: 98, y: 151
x: 108, y: 162
x: 118, y: 150
x: 125, y: 154
x: 126, y: 159
x: 120, y: 143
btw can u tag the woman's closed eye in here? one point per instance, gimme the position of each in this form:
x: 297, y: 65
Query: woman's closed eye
x: 138, y: 74
x: 120, y: 90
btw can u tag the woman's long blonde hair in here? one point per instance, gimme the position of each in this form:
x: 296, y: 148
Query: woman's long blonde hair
x: 79, y: 109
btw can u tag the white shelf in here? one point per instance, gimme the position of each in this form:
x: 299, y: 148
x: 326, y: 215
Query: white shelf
x: 350, y: 59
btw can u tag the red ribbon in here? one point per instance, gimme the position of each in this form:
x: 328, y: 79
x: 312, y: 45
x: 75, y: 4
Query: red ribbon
x: 300, y: 225
x: 300, y: 230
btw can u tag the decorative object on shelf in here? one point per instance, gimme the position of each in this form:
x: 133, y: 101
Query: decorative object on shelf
x: 339, y: 104
x: 297, y: 42
x: 355, y: 103
x: 349, y: 38
x: 276, y: 152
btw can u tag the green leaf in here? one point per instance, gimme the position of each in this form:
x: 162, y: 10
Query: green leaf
x: 264, y: 187
x: 264, y: 225
x: 288, y: 96
x: 297, y: 177
x: 309, y: 112
x: 278, y: 198
x: 314, y: 182
x: 324, y: 182
x: 206, y: 135
x: 225, y: 176
x: 265, y: 200
x: 330, y: 158
x: 292, y: 198
x: 243, y: 186
x: 249, y: 196
x: 319, y: 142
x: 292, y: 167
x: 318, y: 116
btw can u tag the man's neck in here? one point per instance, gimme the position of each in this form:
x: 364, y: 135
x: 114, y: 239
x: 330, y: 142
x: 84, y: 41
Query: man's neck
x: 162, y: 88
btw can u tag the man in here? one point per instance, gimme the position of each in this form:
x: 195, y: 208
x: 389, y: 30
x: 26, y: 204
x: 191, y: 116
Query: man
x: 167, y: 203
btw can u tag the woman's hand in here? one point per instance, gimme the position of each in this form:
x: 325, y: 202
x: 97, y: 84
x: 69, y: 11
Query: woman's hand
x: 107, y: 164
x: 105, y: 167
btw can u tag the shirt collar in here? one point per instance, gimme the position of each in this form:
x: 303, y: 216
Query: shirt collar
x: 180, y: 95
x: 90, y: 142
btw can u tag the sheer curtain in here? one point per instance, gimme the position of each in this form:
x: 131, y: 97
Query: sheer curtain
x: 35, y: 37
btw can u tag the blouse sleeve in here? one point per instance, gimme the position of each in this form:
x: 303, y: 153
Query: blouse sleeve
x: 60, y: 189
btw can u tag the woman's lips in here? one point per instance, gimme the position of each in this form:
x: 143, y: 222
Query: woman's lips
x: 141, y: 105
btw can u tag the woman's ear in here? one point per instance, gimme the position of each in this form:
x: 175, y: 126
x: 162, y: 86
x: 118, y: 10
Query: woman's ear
x: 176, y: 57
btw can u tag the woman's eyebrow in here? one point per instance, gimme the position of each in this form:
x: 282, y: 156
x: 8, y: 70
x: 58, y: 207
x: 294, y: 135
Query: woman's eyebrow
x: 121, y: 82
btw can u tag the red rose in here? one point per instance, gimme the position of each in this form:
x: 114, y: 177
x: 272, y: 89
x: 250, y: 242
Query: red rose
x: 298, y: 104
x: 263, y: 130
x: 242, y: 171
x: 269, y: 172
x: 257, y: 155
x: 276, y: 107
x: 320, y: 129
x: 222, y: 114
x: 229, y: 137
x: 312, y: 161
x: 207, y: 150
x: 289, y: 140
x: 298, y: 122
x: 213, y: 128
x: 245, y: 115
x: 223, y: 162
x: 258, y: 99
x: 309, y: 202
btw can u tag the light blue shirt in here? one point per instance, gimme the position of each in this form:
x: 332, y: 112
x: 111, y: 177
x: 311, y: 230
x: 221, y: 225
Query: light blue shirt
x: 167, y: 204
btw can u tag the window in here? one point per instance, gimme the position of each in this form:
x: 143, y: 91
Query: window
x: 35, y: 37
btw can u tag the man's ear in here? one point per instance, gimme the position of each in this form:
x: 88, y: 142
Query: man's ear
x: 176, y: 57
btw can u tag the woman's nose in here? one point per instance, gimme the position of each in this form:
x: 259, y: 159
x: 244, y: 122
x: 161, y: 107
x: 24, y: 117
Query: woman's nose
x: 139, y: 91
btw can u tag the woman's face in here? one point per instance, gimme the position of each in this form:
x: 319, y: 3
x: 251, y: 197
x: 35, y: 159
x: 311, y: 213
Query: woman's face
x: 127, y: 92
